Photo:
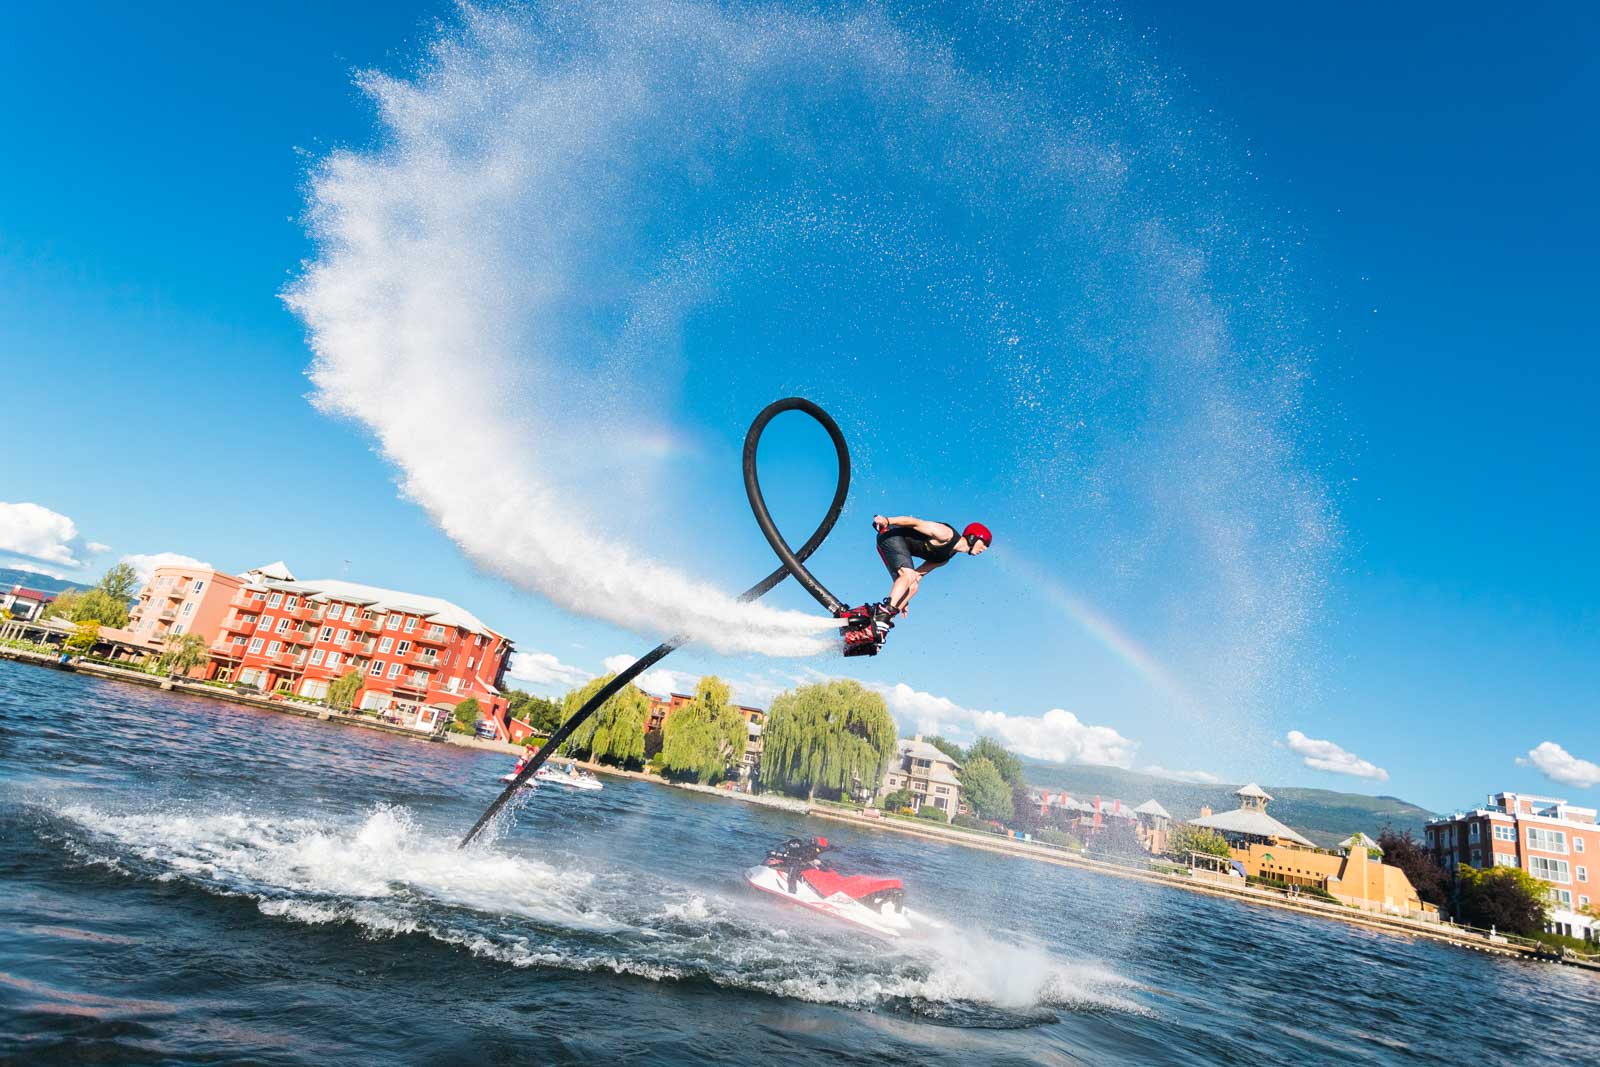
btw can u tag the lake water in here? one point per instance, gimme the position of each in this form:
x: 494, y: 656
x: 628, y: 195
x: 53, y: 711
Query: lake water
x: 183, y: 881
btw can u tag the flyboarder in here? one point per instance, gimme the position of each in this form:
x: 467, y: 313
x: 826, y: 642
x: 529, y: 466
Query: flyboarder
x: 901, y: 537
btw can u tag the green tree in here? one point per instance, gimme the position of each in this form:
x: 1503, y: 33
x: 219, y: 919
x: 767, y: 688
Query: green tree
x: 82, y: 641
x: 98, y: 605
x: 1507, y: 898
x: 1422, y: 870
x: 704, y: 737
x: 1186, y: 839
x: 900, y: 798
x: 830, y: 736
x: 120, y: 583
x: 64, y: 605
x: 183, y: 654
x: 467, y: 713
x: 342, y: 690
x: 615, y: 732
x: 1004, y: 760
x: 948, y: 747
x: 984, y: 790
x: 541, y: 713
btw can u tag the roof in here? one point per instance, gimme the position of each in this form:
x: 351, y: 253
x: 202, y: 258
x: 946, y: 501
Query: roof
x: 1252, y: 790
x: 916, y: 748
x: 1361, y: 840
x: 25, y: 593
x: 435, y: 609
x: 279, y: 571
x: 1248, y: 821
x: 1150, y: 807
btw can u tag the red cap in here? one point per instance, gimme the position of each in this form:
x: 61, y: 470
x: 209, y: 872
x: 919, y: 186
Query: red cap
x: 823, y: 841
x: 977, y: 531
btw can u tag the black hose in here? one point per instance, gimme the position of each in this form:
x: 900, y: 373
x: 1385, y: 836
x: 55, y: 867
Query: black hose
x: 793, y: 563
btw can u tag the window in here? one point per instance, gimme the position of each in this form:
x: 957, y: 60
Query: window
x: 394, y: 669
x: 1562, y: 897
x: 198, y: 586
x: 1548, y: 869
x: 1577, y: 842
x: 472, y: 661
x: 436, y: 632
x: 377, y: 668
x: 177, y: 628
x: 344, y: 635
x: 419, y: 679
x: 1504, y: 833
x: 1583, y: 874
x: 365, y: 615
x: 394, y: 622
x: 403, y: 647
x: 385, y: 644
x: 292, y: 603
x: 266, y: 623
x: 941, y: 789
x: 283, y: 625
x: 1473, y: 833
x: 188, y: 608
x: 316, y: 656
x: 1547, y: 840
x: 1583, y: 902
x: 350, y: 613
x: 411, y: 624
x: 274, y: 600
x: 272, y: 648
x: 1504, y: 859
x: 255, y: 644
x: 327, y: 632
x: 1477, y: 855
x: 1431, y: 842
x: 333, y: 660
x: 314, y: 689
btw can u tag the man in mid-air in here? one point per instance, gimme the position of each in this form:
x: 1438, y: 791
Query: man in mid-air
x: 902, y: 537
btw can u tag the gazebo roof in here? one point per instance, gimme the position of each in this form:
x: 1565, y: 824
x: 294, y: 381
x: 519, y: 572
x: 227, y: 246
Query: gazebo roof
x: 1252, y: 790
x: 1150, y: 807
x: 1250, y: 821
x: 1361, y: 840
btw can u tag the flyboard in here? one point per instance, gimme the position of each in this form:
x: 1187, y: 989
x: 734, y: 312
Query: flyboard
x: 863, y: 636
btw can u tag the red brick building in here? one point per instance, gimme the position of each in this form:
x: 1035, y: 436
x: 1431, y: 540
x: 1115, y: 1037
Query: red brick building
x: 419, y: 656
x: 1552, y: 840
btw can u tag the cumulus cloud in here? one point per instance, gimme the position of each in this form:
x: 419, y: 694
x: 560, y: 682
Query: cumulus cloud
x: 1559, y: 765
x: 544, y: 668
x: 144, y: 564
x: 658, y: 681
x: 1058, y: 735
x: 1198, y: 777
x: 1327, y: 756
x: 43, y: 539
x: 96, y: 547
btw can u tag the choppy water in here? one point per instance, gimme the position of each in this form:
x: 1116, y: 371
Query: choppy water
x: 185, y: 881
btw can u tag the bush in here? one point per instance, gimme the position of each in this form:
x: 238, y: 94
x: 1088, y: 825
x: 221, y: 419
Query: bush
x: 931, y: 813
x: 900, y: 798
x: 968, y: 822
x: 1051, y: 836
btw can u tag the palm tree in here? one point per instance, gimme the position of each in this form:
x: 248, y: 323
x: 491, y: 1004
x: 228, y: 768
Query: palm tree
x: 183, y: 654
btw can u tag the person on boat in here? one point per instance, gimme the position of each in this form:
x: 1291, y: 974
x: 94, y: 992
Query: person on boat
x: 796, y: 855
x: 904, y: 537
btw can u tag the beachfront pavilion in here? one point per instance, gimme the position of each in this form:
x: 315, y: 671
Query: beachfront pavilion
x: 1249, y: 824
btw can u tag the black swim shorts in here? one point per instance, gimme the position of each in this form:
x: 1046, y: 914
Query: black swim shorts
x: 894, y: 550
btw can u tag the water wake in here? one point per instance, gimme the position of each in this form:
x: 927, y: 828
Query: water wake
x: 389, y: 878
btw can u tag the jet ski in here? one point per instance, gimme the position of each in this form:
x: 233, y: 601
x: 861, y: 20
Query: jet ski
x: 864, y: 901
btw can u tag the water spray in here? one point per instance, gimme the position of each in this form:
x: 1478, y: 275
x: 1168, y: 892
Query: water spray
x: 857, y: 622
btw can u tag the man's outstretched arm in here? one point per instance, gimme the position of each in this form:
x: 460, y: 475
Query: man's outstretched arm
x: 937, y: 530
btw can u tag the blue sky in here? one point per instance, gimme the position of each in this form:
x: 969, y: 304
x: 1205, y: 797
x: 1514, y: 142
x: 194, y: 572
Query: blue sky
x: 1425, y: 176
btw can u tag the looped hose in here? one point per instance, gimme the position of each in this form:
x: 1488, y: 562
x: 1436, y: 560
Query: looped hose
x: 793, y: 562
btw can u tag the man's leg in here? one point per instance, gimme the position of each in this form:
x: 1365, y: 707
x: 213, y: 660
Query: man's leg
x: 906, y: 583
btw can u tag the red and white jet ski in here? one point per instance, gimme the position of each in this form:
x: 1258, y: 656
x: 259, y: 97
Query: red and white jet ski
x: 865, y: 901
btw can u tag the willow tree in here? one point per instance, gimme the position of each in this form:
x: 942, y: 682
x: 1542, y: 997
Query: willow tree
x: 705, y: 737
x: 615, y: 732
x: 830, y: 736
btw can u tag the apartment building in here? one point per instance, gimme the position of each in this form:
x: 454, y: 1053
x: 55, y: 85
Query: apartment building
x: 1552, y: 840
x: 178, y: 600
x: 418, y: 655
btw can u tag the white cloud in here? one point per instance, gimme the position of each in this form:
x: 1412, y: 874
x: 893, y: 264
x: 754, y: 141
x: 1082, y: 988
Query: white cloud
x: 1559, y: 765
x: 1327, y: 756
x: 1057, y: 735
x: 1199, y: 777
x: 144, y: 564
x: 543, y: 668
x: 39, y: 535
x: 659, y: 682
x: 96, y: 548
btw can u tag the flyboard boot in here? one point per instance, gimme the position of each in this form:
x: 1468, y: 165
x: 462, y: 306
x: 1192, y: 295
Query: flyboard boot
x: 866, y: 628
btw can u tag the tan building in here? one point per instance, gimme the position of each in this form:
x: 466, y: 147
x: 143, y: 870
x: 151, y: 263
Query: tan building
x: 180, y: 600
x: 1356, y: 875
x: 928, y: 773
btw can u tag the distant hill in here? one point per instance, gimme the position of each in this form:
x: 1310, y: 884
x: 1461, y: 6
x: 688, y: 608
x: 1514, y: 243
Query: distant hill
x: 1323, y: 815
x: 10, y: 576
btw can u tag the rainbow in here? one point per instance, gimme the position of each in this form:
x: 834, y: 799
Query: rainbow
x: 1099, y: 626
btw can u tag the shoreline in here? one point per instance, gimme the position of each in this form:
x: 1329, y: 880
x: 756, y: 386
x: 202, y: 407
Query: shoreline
x: 931, y: 832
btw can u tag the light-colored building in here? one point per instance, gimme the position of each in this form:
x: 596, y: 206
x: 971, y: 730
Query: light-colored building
x: 179, y: 600
x: 419, y: 656
x: 1154, y: 824
x: 1356, y: 875
x: 1249, y: 824
x: 930, y: 775
x: 1549, y: 838
x: 24, y: 604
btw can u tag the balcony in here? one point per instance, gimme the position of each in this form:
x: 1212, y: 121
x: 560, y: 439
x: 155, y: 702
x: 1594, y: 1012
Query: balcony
x: 177, y: 594
x: 236, y: 625
x: 304, y: 612
x: 288, y: 659
x: 426, y: 659
x: 366, y: 626
x: 407, y: 685
x: 168, y: 613
x: 428, y: 637
x: 299, y: 637
x: 246, y: 603
x: 226, y: 650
